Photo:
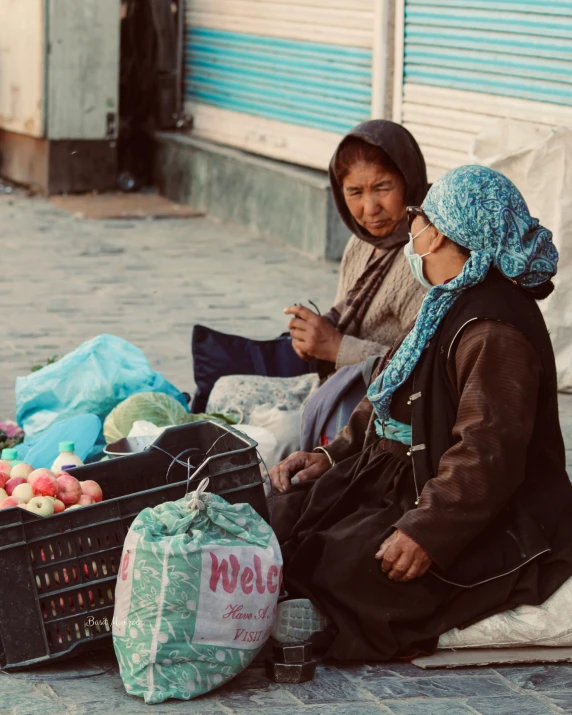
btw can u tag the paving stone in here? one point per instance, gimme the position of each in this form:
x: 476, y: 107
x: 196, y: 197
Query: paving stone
x: 561, y: 699
x: 41, y: 708
x: 325, y: 709
x: 23, y: 698
x: 328, y: 686
x: 102, y: 695
x: 511, y: 705
x: 252, y: 690
x: 371, y: 671
x: 428, y: 707
x: 201, y: 706
x: 438, y: 687
x: 539, y: 677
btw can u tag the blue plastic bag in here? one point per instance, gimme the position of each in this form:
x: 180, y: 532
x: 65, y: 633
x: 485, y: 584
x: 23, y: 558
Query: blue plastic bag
x: 85, y: 431
x: 93, y: 379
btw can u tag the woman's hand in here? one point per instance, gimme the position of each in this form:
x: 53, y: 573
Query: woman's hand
x: 402, y: 559
x: 297, y: 468
x: 312, y: 335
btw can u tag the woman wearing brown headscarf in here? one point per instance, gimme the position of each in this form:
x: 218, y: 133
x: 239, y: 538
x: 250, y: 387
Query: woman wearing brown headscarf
x: 377, y: 171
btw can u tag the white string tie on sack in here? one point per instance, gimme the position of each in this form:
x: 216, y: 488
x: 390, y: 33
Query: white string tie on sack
x: 199, y: 498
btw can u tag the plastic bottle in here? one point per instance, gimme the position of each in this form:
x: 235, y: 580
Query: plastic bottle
x: 10, y: 455
x: 67, y: 459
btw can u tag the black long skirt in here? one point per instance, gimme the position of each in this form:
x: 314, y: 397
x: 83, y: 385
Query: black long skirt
x: 330, y: 531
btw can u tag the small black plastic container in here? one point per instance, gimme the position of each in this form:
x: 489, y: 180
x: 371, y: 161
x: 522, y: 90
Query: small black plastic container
x: 58, y: 573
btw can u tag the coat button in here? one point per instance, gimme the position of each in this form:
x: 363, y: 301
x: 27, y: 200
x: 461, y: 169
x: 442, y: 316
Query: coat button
x: 409, y: 453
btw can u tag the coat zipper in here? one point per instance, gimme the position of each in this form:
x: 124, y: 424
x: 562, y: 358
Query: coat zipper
x: 418, y: 497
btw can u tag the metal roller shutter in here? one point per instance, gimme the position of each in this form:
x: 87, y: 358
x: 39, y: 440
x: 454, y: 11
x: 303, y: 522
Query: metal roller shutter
x: 281, y: 79
x: 463, y: 63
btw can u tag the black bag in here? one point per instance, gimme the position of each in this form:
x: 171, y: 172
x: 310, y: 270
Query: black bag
x: 218, y: 354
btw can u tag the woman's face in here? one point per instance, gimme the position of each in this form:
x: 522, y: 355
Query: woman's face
x: 375, y: 198
x: 442, y: 259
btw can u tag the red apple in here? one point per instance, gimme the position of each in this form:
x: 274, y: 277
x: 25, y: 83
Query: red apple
x: 45, y: 485
x: 22, y: 470
x: 59, y: 506
x: 92, y: 489
x: 9, y: 502
x: 38, y: 473
x: 85, y: 500
x: 5, y: 466
x: 73, y: 575
x: 69, y: 489
x: 12, y: 484
x: 4, y: 479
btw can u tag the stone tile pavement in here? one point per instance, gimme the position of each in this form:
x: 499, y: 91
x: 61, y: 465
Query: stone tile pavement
x: 65, y: 280
x: 91, y: 685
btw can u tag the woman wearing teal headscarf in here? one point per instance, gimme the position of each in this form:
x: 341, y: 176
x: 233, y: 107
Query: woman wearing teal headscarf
x: 446, y: 498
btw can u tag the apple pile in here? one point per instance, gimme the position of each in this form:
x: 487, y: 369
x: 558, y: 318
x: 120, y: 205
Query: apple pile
x: 43, y: 492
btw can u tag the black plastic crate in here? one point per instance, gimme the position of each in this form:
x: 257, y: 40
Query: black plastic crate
x: 58, y: 573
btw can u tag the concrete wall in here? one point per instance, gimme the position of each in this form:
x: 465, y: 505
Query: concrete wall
x: 22, y: 66
x: 275, y: 200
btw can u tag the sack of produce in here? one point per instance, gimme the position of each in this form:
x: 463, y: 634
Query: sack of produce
x: 196, y: 596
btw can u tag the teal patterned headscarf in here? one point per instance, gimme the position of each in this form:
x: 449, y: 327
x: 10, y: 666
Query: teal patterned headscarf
x: 482, y: 210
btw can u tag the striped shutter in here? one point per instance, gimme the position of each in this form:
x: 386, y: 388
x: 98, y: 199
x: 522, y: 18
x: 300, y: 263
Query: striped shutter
x: 464, y: 63
x: 283, y: 79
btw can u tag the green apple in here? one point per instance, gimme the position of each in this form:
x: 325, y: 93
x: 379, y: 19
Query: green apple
x: 41, y: 506
x: 24, y: 492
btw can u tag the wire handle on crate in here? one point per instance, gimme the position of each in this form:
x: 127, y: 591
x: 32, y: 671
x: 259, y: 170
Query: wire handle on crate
x: 203, y: 463
x: 177, y: 459
x: 188, y: 464
x: 198, y: 499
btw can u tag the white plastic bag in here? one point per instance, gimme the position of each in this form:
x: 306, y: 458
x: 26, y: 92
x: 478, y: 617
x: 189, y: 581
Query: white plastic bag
x: 544, y: 625
x: 538, y: 159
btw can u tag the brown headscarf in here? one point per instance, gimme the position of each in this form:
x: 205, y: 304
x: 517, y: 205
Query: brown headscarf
x: 398, y: 143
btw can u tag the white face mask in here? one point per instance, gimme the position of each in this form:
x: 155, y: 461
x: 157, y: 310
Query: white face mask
x: 416, y: 260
